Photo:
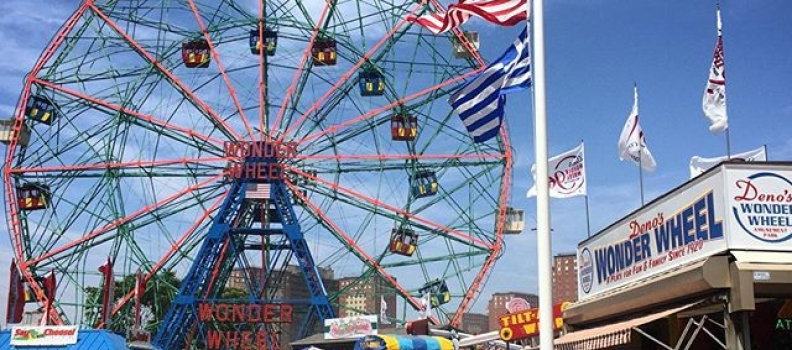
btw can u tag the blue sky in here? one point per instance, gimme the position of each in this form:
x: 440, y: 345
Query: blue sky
x: 595, y: 51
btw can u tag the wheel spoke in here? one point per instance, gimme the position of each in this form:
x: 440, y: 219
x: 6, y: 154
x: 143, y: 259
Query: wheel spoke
x: 227, y: 129
x: 96, y: 233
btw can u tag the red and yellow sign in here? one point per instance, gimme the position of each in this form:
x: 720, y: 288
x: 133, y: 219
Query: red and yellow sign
x: 525, y: 324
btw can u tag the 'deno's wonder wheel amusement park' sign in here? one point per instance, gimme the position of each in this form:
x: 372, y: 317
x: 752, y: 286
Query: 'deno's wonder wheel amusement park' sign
x: 234, y: 314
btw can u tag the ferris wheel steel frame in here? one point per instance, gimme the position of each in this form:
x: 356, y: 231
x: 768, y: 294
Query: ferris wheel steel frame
x: 17, y: 234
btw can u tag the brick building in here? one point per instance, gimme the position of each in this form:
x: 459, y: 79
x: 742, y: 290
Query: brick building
x: 564, y: 278
x: 474, y: 323
x: 364, y: 297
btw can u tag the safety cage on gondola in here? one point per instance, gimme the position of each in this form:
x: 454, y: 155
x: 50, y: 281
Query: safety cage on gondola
x: 515, y: 221
x: 270, y: 41
x: 424, y: 184
x: 7, y: 132
x: 41, y: 109
x: 371, y: 82
x: 403, y: 241
x: 463, y: 51
x: 324, y: 52
x: 438, y: 292
x: 195, y: 54
x: 33, y: 196
x: 404, y: 127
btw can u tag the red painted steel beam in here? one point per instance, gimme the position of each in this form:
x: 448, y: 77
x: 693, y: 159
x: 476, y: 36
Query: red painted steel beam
x: 219, y: 64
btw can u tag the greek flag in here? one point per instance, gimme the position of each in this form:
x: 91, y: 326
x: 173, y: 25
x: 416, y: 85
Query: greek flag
x: 480, y: 102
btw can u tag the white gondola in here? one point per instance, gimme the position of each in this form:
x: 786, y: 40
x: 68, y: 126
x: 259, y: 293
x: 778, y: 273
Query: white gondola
x: 7, y: 132
x: 515, y: 221
x: 461, y: 50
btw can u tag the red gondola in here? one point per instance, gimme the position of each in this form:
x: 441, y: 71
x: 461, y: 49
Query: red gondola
x: 195, y: 54
x: 403, y: 241
x: 33, y: 196
x: 404, y: 127
x: 324, y: 52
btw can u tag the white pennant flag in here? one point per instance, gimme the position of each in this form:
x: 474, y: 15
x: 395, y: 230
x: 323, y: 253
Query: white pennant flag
x: 383, y: 311
x: 699, y: 165
x: 426, y: 303
x: 714, y: 101
x: 567, y: 174
x: 632, y: 143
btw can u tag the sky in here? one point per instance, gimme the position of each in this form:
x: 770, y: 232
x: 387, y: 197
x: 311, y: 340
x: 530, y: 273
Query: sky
x: 595, y: 51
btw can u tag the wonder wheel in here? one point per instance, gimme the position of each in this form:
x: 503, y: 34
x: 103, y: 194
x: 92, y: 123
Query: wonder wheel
x: 133, y: 126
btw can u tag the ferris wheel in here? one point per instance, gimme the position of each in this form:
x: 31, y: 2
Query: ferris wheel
x: 123, y: 142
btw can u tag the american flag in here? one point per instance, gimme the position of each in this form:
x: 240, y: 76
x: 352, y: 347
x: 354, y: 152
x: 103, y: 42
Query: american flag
x: 257, y: 191
x: 501, y: 12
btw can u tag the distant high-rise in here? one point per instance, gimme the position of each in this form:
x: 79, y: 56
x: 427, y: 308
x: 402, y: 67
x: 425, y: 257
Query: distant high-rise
x: 474, y: 323
x: 564, y: 278
x: 364, y: 297
x: 497, y: 305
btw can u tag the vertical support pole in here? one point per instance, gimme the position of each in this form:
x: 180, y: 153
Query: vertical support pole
x: 745, y: 330
x: 542, y: 183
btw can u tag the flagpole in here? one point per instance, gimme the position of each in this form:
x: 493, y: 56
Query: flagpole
x: 640, y: 172
x: 544, y: 244
x: 719, y: 24
x: 588, y: 220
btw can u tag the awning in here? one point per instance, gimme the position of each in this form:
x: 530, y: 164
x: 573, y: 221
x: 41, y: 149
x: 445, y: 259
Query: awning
x: 612, y: 334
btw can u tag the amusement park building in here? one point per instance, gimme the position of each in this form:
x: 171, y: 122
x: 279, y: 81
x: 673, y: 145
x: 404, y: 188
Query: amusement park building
x: 564, y: 278
x: 498, y: 302
x: 706, y: 266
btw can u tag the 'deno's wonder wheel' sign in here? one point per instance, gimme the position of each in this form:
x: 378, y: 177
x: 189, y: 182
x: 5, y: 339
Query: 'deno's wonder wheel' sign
x: 227, y: 317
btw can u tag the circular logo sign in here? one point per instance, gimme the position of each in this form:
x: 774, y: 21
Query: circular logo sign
x: 567, y: 177
x: 517, y: 305
x: 586, y: 268
x: 762, y: 206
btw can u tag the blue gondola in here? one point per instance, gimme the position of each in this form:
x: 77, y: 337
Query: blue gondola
x: 40, y: 109
x: 371, y: 83
x: 270, y: 41
x: 438, y: 292
x: 424, y: 184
